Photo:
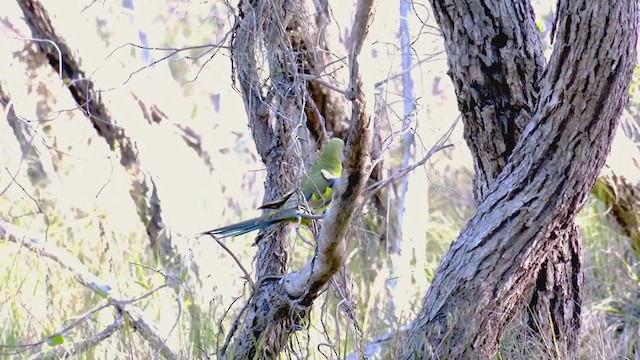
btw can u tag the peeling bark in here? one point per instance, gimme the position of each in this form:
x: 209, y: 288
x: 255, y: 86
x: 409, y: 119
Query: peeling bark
x: 483, y: 279
x: 271, y: 107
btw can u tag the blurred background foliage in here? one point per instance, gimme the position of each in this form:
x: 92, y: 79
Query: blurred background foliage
x: 61, y: 183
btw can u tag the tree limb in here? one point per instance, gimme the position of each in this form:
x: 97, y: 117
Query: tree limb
x: 331, y: 249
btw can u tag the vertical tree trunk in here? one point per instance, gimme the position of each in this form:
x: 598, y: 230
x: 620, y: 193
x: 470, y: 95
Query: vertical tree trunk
x: 496, y: 78
x: 271, y: 107
x: 531, y: 197
x: 274, y: 106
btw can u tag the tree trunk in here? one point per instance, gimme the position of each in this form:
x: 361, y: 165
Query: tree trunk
x: 497, y: 83
x: 530, y: 194
x: 274, y: 107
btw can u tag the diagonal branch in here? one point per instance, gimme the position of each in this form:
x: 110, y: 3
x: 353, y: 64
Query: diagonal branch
x: 331, y: 250
x: 84, y: 345
x: 147, y: 329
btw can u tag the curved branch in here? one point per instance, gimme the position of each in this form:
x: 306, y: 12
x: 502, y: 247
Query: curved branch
x: 331, y: 250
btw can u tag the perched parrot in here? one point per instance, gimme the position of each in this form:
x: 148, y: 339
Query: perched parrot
x: 316, y: 188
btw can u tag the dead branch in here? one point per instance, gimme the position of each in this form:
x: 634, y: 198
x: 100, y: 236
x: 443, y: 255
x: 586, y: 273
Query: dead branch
x: 88, y: 100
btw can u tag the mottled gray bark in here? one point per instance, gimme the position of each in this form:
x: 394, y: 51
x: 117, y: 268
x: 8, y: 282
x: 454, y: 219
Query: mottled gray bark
x: 528, y: 196
x: 496, y: 60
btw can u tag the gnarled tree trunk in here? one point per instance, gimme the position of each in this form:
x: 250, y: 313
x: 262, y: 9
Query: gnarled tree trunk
x: 263, y: 40
x: 540, y: 135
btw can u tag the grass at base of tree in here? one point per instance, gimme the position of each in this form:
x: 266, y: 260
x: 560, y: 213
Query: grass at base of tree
x: 38, y: 298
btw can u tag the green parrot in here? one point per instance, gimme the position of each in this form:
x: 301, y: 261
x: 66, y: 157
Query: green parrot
x: 316, y: 188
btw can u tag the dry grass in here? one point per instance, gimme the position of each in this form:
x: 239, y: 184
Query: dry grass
x: 39, y: 298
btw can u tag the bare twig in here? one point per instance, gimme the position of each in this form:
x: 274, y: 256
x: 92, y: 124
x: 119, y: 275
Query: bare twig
x: 247, y: 275
x: 135, y: 315
x: 235, y: 325
x: 318, y: 79
x: 173, y: 52
x: 440, y: 145
x: 407, y: 70
x: 403, y: 172
x: 83, y: 345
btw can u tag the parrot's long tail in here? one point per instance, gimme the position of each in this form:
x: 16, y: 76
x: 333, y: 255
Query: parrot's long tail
x: 250, y: 225
x: 241, y: 228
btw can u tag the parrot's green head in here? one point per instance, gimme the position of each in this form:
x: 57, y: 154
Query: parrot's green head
x: 331, y: 156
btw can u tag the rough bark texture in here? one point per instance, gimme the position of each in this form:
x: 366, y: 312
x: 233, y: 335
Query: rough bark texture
x: 272, y: 107
x: 553, y: 310
x: 496, y: 62
x: 533, y: 200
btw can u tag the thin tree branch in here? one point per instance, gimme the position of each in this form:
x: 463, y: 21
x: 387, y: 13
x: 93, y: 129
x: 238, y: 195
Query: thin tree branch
x: 83, y: 345
x: 147, y: 329
x: 331, y: 250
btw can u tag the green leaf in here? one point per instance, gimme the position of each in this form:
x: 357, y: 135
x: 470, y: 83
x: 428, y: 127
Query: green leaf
x: 55, y: 340
x: 102, y: 291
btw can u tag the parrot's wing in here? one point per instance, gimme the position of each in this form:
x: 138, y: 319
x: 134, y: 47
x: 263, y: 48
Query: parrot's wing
x: 276, y: 204
x: 328, y: 175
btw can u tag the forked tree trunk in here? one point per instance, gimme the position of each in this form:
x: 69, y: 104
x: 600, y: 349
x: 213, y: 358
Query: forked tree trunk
x: 530, y: 186
x: 497, y: 82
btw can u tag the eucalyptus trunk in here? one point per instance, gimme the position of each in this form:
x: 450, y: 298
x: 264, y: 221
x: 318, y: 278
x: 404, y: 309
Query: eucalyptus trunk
x: 539, y: 134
